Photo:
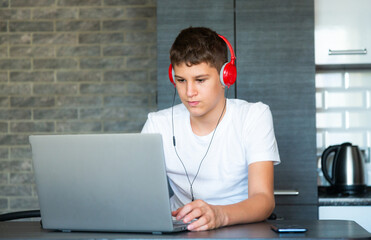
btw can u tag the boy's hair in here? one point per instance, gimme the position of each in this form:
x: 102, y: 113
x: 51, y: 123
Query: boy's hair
x: 195, y: 45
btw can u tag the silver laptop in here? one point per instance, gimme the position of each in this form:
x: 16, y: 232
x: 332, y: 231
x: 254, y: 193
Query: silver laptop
x: 102, y: 182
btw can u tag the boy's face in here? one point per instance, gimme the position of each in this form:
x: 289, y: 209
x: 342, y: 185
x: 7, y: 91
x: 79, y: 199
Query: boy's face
x: 200, y: 90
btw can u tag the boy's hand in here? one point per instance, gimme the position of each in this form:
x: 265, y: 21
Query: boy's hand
x: 206, y: 216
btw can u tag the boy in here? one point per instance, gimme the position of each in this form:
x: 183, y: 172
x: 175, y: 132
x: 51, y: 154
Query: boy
x: 219, y: 152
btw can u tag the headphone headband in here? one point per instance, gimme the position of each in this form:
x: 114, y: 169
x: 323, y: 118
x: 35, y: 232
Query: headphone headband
x: 228, y: 72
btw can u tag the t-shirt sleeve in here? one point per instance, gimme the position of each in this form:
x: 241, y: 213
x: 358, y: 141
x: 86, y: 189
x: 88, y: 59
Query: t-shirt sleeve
x: 259, y: 136
x: 149, y: 125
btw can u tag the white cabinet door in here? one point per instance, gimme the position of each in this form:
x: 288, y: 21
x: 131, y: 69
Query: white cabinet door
x: 359, y: 214
x: 342, y: 32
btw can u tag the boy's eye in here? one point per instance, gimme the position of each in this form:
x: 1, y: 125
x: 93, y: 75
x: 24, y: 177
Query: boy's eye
x: 180, y: 80
x: 200, y: 80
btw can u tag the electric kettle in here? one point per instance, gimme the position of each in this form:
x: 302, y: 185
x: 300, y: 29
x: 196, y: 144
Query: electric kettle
x: 348, y: 169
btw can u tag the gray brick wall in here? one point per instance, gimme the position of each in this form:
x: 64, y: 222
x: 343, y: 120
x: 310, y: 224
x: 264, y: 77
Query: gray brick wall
x: 70, y: 66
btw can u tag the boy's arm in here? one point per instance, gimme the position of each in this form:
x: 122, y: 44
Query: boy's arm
x: 257, y: 207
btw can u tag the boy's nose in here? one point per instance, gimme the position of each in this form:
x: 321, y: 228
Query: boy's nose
x: 191, y: 89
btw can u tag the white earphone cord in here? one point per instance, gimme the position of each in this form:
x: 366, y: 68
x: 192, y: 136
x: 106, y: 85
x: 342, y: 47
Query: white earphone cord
x: 176, y: 152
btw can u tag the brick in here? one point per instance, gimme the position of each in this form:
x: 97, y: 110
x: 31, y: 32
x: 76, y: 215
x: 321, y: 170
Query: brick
x: 15, y: 39
x: 129, y: 101
x: 102, y: 88
x: 3, y: 52
x: 139, y: 113
x: 14, y: 14
x: 78, y: 25
x: 3, y: 26
x: 3, y: 76
x: 55, y: 38
x: 13, y: 139
x: 20, y: 153
x: 102, y: 113
x: 15, y: 89
x: 55, y: 114
x: 141, y: 88
x: 34, y: 26
x: 92, y: 38
x: 79, y: 3
x: 82, y: 51
x: 34, y: 76
x: 141, y: 63
x: 126, y: 75
x: 123, y: 126
x: 53, y: 63
x: 141, y: 37
x: 82, y: 101
x: 15, y: 114
x: 126, y: 50
x: 4, y: 102
x: 3, y: 127
x: 32, y: 101
x: 31, y: 127
x: 44, y: 51
x: 22, y: 178
x: 3, y: 203
x: 102, y: 63
x: 4, y: 3
x: 4, y: 153
x: 141, y: 12
x: 24, y: 203
x: 79, y: 76
x: 58, y: 89
x: 20, y: 165
x: 3, y: 180
x: 31, y: 3
x: 54, y: 13
x: 101, y: 13
x: 16, y: 190
x: 124, y: 25
x: 24, y: 38
x: 124, y: 2
x: 80, y: 126
x: 15, y: 64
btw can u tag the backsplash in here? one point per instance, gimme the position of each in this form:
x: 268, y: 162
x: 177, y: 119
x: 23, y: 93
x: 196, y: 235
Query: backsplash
x: 343, y: 105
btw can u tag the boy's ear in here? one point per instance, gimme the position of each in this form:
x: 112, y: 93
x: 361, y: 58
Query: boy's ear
x: 171, y: 74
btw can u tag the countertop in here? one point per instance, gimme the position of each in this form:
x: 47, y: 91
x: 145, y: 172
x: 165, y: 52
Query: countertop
x: 317, y: 229
x: 327, y: 197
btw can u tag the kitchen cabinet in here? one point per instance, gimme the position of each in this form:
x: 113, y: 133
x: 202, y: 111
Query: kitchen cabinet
x: 342, y: 32
x: 274, y: 45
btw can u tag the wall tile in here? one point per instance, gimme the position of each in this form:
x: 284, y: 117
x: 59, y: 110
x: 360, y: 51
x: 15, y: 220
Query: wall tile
x: 3, y: 127
x: 54, y: 89
x: 114, y: 76
x: 329, y: 120
x: 24, y: 203
x: 344, y: 99
x: 20, y: 153
x: 22, y: 178
x: 3, y: 179
x: 141, y: 12
x: 15, y: 89
x: 127, y: 50
x: 15, y: 14
x: 53, y: 63
x: 45, y: 51
x: 360, y: 79
x: 124, y: 25
x: 83, y: 126
x: 319, y: 100
x: 102, y: 63
x: 355, y: 137
x: 8, y: 64
x: 80, y: 101
x: 13, y: 139
x: 122, y: 126
x: 4, y: 3
x: 3, y: 77
x: 13, y: 114
x: 359, y: 119
x: 103, y: 88
x: 4, y: 102
x: 31, y: 127
x: 32, y: 102
x: 329, y: 79
x: 4, y: 153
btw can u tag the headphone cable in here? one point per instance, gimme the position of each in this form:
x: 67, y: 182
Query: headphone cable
x: 207, y: 150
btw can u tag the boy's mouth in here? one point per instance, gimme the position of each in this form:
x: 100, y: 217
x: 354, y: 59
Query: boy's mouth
x: 193, y: 103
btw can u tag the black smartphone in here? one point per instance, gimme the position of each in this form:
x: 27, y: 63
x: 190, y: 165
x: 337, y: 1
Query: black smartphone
x: 288, y: 228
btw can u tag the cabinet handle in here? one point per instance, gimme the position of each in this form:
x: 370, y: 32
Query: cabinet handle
x: 348, y: 52
x: 286, y: 192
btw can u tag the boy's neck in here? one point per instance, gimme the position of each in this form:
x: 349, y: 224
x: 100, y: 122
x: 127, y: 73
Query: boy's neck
x: 204, y: 125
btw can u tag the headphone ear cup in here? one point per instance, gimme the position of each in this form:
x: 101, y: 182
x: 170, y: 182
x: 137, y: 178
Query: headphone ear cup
x: 228, y: 74
x: 171, y: 74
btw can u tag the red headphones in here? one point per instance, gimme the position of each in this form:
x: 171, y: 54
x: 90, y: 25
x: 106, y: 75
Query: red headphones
x: 228, y: 73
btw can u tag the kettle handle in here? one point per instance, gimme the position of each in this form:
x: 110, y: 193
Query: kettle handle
x: 325, y: 154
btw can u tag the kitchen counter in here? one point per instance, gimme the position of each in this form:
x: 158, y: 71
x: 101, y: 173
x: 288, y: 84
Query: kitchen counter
x: 317, y: 229
x: 327, y: 197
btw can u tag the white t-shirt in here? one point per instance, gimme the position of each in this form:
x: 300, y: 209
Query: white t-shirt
x: 244, y: 135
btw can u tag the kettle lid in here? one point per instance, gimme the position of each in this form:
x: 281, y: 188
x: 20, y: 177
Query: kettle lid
x: 346, y: 144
